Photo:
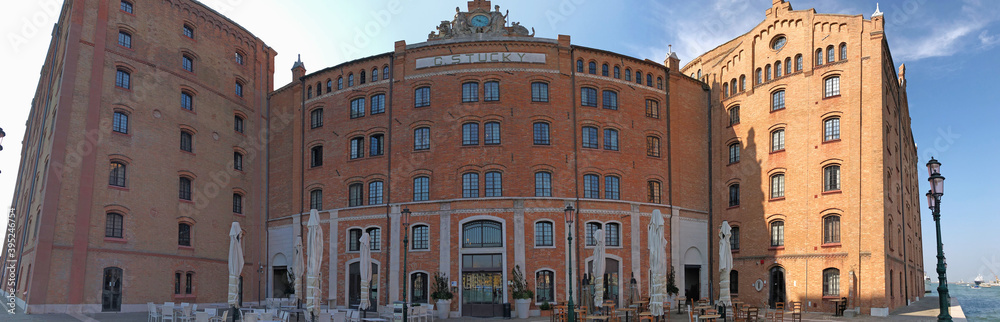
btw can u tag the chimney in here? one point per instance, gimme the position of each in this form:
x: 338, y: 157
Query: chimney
x: 298, y: 70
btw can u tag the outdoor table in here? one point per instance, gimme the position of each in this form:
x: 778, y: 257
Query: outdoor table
x: 374, y: 320
x: 709, y: 317
x: 836, y: 307
x: 628, y: 312
x: 597, y: 317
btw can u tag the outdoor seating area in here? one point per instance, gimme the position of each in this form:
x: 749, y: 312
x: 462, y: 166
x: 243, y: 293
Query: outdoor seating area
x: 281, y: 310
x: 701, y: 310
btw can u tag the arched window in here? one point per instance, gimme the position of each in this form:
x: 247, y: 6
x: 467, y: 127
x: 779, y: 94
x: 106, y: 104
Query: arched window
x: 649, y: 80
x: 777, y: 233
x: 659, y: 82
x: 470, y: 185
x: 610, y: 100
x: 422, y: 139
x: 612, y: 185
x: 734, y: 195
x: 767, y: 72
x: 491, y: 133
x: 184, y: 234
x: 604, y: 70
x: 588, y: 97
x: 654, y: 191
x: 734, y: 115
x: 237, y: 203
x: 124, y: 39
x: 734, y: 239
x: 725, y: 90
x: 354, y: 239
x: 238, y: 122
x: 117, y: 174
x: 778, y: 140
x: 237, y: 161
x: 362, y: 77
x: 788, y: 66
x: 376, y: 238
x: 316, y: 156
x: 418, y: 287
x: 374, y: 74
x: 544, y: 234
x: 309, y: 92
x: 491, y: 91
x: 316, y: 118
x: 611, y: 139
x: 545, y: 281
x: 612, y: 235
x: 188, y: 31
x: 340, y: 83
x: 831, y: 86
x: 653, y: 146
x: 829, y: 54
x: 778, y: 100
x: 470, y: 134
x: 329, y: 85
x: 831, y: 229
x: 743, y: 83
x: 831, y: 178
x: 539, y: 92
x: 187, y: 141
x: 482, y: 234
x: 734, y: 152
x: 319, y: 89
x: 114, y: 223
x: 421, y: 188
x: 184, y: 192
x: 356, y: 195
x: 638, y: 77
x: 592, y: 68
x: 421, y: 237
x: 831, y: 282
x: 732, y: 86
x: 591, y: 186
x: 778, y: 186
x: 652, y: 109
x: 376, y: 145
x: 543, y: 184
x: 540, y: 133
x: 358, y: 108
x: 350, y: 79
x: 831, y: 129
x: 819, y: 57
x: 385, y: 72
x: 591, y: 228
x: 798, y: 62
x: 777, y: 69
x: 120, y: 122
x: 494, y: 184
x: 734, y: 282
x: 123, y: 79
x: 618, y: 72
x: 760, y: 78
x: 579, y: 66
x: 375, y: 193
x: 699, y: 74
x: 239, y: 89
x: 316, y: 199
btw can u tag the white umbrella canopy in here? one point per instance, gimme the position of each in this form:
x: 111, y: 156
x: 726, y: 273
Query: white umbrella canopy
x: 315, y: 253
x: 235, y: 262
x: 658, y: 264
x: 725, y: 263
x: 598, y: 274
x: 366, y: 270
x: 299, y: 269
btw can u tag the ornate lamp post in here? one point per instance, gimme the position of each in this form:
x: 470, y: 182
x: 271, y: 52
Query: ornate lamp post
x: 569, y: 212
x: 934, y: 203
x: 406, y: 252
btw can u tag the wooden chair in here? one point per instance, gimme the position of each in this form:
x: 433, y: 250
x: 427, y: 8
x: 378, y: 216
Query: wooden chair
x: 753, y: 313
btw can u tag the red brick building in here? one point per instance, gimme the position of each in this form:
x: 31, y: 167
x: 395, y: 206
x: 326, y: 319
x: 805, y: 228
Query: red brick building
x: 485, y: 130
x: 814, y: 162
x: 141, y: 149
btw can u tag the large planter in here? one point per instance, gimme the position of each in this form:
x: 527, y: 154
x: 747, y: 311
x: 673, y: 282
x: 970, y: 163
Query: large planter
x: 443, y: 307
x: 522, y: 307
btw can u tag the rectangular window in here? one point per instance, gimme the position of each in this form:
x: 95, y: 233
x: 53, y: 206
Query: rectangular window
x: 778, y: 100
x: 491, y: 91
x: 376, y: 145
x: 734, y: 195
x: 652, y: 109
x: 187, y: 101
x: 778, y: 140
x: 358, y: 108
x: 355, y: 195
x: 237, y: 204
x: 491, y: 133
x: 123, y: 79
x: 734, y: 153
x: 652, y: 146
x: 375, y: 193
x: 421, y: 237
x: 610, y: 100
x: 734, y: 115
x: 316, y: 118
x: 316, y: 199
x: 832, y: 87
x: 237, y: 161
x: 357, y: 148
x: 124, y: 39
x: 378, y: 104
x: 376, y: 241
x: 612, y: 235
x: 422, y: 97
x: 653, y: 192
x: 354, y: 240
x: 543, y: 184
x: 539, y: 92
x: 126, y: 6
x: 187, y: 63
x: 590, y: 137
x: 611, y: 185
x: 831, y: 282
x: 494, y: 184
x: 470, y: 185
x: 470, y: 134
x: 188, y: 31
x: 184, y: 191
x: 831, y: 129
x: 316, y: 156
x: 777, y: 233
x: 734, y: 239
x: 611, y: 140
x: 422, y: 139
x: 831, y: 175
x: 591, y: 186
x: 184, y: 235
x: 240, y: 59
x: 421, y: 189
x: 831, y: 230
x: 120, y: 123
x: 778, y: 186
x: 543, y: 234
x: 588, y: 97
x: 541, y: 133
x: 470, y: 92
x: 591, y: 229
x: 186, y: 142
x: 113, y: 226
x: 238, y: 124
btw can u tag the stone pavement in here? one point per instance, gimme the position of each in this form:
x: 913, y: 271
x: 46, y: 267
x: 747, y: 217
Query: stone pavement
x: 924, y: 310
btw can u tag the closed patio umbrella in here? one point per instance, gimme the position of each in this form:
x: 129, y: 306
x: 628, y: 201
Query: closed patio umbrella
x: 657, y: 264
x: 599, y: 264
x: 725, y: 263
x: 299, y: 270
x: 315, y: 254
x: 235, y: 263
x: 366, y: 270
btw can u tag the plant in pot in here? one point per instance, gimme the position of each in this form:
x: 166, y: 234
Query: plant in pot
x: 442, y: 294
x: 522, y: 295
x: 546, y: 308
x: 672, y: 289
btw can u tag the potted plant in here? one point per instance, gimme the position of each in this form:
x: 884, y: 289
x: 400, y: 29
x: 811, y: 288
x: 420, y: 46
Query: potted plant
x: 522, y: 295
x: 546, y: 308
x: 442, y: 294
x: 672, y: 290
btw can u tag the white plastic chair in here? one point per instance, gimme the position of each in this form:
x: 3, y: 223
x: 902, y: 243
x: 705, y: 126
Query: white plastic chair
x: 339, y: 316
x: 186, y: 315
x: 154, y: 315
x: 225, y: 316
x: 167, y: 314
x: 354, y: 316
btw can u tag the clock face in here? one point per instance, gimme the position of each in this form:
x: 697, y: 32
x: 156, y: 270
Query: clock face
x: 480, y: 21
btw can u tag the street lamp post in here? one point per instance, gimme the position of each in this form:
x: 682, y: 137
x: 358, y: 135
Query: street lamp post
x: 934, y: 203
x: 569, y: 213
x: 406, y: 252
x: 260, y: 272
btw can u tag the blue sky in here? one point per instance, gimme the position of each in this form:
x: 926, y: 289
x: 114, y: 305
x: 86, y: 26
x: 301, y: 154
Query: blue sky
x: 949, y: 48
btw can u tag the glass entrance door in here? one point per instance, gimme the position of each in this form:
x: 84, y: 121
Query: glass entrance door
x: 482, y: 285
x: 111, y: 295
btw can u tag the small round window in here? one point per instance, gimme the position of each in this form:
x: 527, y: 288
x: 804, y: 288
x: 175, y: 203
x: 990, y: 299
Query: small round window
x: 778, y: 42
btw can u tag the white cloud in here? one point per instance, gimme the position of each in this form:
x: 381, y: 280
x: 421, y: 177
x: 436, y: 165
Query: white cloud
x: 942, y: 39
x: 988, y: 40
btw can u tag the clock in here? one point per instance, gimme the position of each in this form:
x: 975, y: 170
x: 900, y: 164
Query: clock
x: 480, y: 21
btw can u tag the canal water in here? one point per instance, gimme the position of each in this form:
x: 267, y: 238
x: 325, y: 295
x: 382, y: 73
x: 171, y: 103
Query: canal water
x: 978, y: 304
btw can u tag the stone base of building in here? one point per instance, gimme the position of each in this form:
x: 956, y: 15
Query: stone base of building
x: 880, y: 311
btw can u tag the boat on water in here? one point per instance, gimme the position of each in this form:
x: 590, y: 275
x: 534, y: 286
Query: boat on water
x: 978, y: 281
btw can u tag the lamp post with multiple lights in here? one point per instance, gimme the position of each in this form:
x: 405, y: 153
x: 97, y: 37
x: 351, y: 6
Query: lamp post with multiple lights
x: 934, y: 203
x: 406, y: 251
x: 569, y: 212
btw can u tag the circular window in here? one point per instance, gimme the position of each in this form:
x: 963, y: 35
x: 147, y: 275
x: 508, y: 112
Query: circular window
x: 778, y: 42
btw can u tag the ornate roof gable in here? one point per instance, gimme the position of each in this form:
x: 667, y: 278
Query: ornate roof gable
x: 479, y: 20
